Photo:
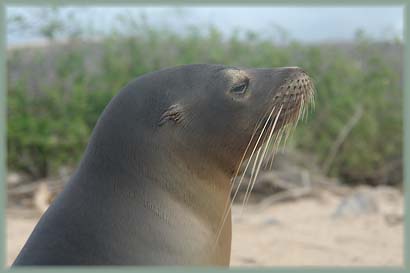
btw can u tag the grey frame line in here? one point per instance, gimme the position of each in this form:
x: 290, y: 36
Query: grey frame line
x: 406, y: 133
x: 2, y: 132
x: 406, y: 124
x: 210, y: 2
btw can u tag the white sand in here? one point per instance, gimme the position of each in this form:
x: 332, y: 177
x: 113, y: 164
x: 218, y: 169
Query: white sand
x: 297, y: 233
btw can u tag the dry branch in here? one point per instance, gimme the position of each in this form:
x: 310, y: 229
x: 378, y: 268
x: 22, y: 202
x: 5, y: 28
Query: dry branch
x: 343, y: 134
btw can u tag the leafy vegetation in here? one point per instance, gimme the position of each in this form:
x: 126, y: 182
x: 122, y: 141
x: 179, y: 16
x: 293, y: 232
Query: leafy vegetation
x: 57, y: 92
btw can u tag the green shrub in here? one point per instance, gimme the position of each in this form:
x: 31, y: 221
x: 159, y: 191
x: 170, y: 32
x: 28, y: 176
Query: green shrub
x: 55, y: 94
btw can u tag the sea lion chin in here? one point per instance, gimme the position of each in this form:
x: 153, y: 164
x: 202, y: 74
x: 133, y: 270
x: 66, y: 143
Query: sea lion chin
x: 154, y: 184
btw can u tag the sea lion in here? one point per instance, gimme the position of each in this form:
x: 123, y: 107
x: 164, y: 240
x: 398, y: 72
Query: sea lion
x: 154, y: 184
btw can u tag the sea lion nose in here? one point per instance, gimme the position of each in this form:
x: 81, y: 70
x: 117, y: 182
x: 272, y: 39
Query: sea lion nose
x: 293, y: 71
x: 291, y: 74
x: 292, y: 67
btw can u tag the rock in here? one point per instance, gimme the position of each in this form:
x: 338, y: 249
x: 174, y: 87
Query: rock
x: 271, y: 221
x: 248, y: 260
x: 64, y: 173
x: 42, y: 197
x: 388, y: 194
x: 358, y: 203
x: 392, y: 219
x: 14, y: 178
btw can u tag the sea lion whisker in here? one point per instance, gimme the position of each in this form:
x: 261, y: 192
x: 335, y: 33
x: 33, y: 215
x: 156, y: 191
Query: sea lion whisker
x: 230, y: 202
x: 255, y: 161
x: 301, y: 114
x: 276, y: 144
x: 252, y: 182
x: 305, y: 110
x: 244, y: 172
x: 273, y: 144
x: 242, y: 159
x: 302, y: 108
x: 288, y: 119
x: 226, y: 212
x: 264, y: 153
x: 266, y: 162
x: 298, y: 116
x: 253, y: 173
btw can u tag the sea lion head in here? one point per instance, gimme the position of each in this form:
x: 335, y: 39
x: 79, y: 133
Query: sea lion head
x: 168, y: 143
x: 217, y: 115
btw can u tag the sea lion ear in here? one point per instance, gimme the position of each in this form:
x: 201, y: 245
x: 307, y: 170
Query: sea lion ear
x: 173, y: 113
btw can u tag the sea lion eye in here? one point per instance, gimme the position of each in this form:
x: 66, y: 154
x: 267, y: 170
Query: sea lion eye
x: 240, y: 88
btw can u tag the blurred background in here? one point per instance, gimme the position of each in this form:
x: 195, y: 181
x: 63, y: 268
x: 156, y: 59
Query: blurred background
x: 333, y: 196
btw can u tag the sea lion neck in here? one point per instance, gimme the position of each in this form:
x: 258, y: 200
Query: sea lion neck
x: 203, y: 191
x: 131, y: 159
x: 170, y: 195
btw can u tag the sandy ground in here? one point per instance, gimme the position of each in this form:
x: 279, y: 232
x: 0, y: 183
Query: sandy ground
x: 297, y: 233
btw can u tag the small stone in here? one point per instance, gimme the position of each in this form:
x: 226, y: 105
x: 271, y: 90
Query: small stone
x: 359, y: 203
x: 271, y: 221
x: 392, y: 219
x: 248, y: 260
x: 14, y: 178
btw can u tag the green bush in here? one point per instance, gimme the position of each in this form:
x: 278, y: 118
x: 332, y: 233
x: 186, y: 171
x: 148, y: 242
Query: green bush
x: 56, y: 93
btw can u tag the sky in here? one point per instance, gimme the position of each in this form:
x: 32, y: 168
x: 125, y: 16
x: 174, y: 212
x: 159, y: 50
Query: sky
x: 304, y: 24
